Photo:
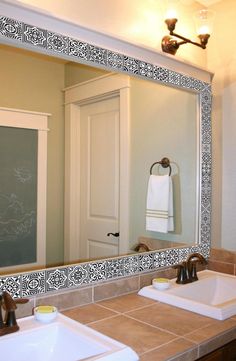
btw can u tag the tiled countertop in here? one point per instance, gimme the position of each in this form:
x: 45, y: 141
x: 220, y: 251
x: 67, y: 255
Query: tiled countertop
x: 156, y: 331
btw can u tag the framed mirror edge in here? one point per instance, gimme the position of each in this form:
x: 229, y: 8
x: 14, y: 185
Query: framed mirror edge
x: 20, y: 34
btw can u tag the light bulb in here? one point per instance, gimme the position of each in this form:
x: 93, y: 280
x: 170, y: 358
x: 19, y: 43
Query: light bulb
x: 171, y: 14
x: 202, y: 30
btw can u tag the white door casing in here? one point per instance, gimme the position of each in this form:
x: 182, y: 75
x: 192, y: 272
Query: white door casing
x: 75, y: 97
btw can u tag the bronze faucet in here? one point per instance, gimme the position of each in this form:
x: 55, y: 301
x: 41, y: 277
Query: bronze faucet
x: 187, y: 270
x: 9, y: 324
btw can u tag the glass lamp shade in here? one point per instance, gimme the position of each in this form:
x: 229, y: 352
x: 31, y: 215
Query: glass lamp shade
x: 204, y: 21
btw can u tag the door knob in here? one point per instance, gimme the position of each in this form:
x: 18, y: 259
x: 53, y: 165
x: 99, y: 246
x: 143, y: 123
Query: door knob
x: 113, y: 234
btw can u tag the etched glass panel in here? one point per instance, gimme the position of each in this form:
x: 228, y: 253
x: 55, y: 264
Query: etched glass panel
x: 18, y: 196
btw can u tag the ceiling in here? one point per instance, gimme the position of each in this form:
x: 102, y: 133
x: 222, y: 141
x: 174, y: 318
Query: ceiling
x: 208, y: 2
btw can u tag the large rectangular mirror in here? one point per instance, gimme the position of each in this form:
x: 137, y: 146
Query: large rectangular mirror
x: 169, y: 117
x: 156, y: 129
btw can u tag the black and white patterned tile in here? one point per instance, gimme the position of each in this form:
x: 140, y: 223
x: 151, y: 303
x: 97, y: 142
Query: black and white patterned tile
x: 161, y: 74
x: 11, y: 28
x: 78, y: 275
x: 78, y: 49
x: 186, y: 82
x: 174, y: 78
x: 205, y: 249
x: 145, y: 69
x: 146, y: 262
x: 115, y: 268
x: 34, y: 283
x: 172, y: 256
x: 131, y: 265
x: 131, y: 65
x: 115, y: 60
x: 97, y: 271
x: 12, y: 285
x: 97, y: 55
x: 159, y: 259
x: 34, y: 36
x: 56, y: 279
x: 57, y: 43
x: 183, y: 254
x: 197, y: 85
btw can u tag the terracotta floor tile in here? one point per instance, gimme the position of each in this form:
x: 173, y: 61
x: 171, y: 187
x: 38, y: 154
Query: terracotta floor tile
x: 180, y: 348
x: 89, y: 313
x: 127, y: 303
x: 139, y: 336
x: 170, y: 318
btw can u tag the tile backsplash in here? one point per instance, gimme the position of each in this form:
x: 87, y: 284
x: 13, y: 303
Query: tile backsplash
x: 66, y: 299
x: 222, y: 260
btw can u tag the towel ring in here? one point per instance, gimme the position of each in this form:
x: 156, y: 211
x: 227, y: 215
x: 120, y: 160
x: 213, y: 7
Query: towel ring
x: 165, y: 163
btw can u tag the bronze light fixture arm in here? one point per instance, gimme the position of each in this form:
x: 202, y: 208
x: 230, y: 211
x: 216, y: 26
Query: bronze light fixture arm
x: 203, y: 39
x: 171, y: 45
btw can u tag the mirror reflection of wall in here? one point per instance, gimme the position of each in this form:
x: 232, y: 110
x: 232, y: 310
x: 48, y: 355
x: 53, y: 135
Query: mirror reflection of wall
x: 163, y: 124
x: 36, y: 83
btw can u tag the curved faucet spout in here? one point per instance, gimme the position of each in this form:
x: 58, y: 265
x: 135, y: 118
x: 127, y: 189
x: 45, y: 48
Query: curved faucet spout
x: 196, y: 257
x: 191, y: 262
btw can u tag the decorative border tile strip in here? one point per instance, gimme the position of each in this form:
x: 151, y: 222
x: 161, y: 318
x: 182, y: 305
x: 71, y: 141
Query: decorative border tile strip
x: 45, y: 281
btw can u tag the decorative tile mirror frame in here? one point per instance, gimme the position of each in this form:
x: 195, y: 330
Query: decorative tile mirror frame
x: 68, y: 277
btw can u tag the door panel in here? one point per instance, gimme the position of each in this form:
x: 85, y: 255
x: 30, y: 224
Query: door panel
x: 99, y: 207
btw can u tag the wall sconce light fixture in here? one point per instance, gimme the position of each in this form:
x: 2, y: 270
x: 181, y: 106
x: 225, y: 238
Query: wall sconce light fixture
x: 203, y: 19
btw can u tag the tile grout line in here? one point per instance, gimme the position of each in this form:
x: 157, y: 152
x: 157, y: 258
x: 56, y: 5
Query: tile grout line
x: 107, y: 308
x: 125, y: 312
x: 198, y: 329
x: 102, y: 319
x: 207, y: 325
x: 156, y: 348
x: 110, y: 298
x: 193, y: 347
x: 156, y: 327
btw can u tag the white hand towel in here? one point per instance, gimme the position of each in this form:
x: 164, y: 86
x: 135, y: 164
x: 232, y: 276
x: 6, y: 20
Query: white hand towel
x: 170, y: 209
x: 159, y: 212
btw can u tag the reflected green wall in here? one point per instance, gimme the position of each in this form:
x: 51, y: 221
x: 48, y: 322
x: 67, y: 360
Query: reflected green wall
x: 77, y: 73
x: 163, y: 124
x: 35, y: 82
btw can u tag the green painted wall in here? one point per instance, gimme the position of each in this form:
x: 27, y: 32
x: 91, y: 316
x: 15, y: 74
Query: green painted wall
x: 163, y: 124
x: 77, y: 73
x: 35, y: 82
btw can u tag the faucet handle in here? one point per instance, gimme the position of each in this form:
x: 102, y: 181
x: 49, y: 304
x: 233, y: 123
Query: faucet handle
x: 182, y: 276
x: 193, y: 271
x: 10, y: 303
x: 10, y: 307
x: 1, y: 319
x: 21, y: 301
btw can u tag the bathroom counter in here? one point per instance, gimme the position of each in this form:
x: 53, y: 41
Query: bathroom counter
x: 156, y: 331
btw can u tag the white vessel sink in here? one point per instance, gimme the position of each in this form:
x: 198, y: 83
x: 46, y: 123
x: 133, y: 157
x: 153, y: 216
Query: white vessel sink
x: 61, y: 340
x: 213, y: 295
